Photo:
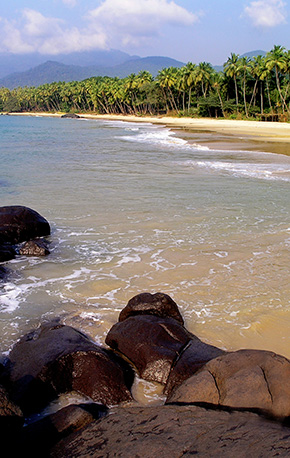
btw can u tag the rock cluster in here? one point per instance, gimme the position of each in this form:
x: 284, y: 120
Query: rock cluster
x: 217, y: 402
x: 20, y: 224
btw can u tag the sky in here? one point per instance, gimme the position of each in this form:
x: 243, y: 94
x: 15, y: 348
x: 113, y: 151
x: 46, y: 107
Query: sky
x: 186, y: 30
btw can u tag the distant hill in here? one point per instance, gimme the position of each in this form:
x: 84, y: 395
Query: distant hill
x: 35, y: 70
x: 51, y: 71
x: 12, y: 63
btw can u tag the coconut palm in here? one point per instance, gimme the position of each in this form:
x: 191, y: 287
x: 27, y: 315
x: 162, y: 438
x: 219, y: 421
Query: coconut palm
x: 276, y: 60
x: 231, y: 69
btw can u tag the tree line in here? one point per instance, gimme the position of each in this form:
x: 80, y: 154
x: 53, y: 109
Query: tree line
x: 246, y: 88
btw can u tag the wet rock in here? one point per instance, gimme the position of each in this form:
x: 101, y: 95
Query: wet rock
x: 177, y: 431
x: 70, y: 115
x: 150, y: 342
x: 158, y: 304
x: 249, y: 379
x: 34, y: 248
x: 7, y: 252
x: 18, y: 224
x: 194, y: 356
x: 37, y: 438
x: 11, y: 417
x: 55, y: 358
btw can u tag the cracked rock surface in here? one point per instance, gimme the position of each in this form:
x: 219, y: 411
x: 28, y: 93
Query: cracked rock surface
x: 250, y: 379
x: 176, y: 431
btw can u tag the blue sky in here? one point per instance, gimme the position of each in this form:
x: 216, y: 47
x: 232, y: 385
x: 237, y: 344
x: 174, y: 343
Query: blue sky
x: 187, y: 30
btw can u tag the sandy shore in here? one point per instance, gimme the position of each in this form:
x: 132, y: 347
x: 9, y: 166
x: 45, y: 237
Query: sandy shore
x: 233, y: 130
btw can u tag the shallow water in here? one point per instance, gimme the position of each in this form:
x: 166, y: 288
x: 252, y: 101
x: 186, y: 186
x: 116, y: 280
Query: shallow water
x: 134, y: 207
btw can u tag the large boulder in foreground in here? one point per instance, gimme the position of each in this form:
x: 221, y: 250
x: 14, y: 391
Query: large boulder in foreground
x: 175, y: 431
x: 248, y: 379
x: 19, y: 224
x: 158, y: 304
x: 193, y: 356
x: 151, y: 344
x: 55, y: 358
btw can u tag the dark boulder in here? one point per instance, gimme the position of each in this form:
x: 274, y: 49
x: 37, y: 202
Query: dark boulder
x: 70, y: 115
x: 7, y: 252
x: 19, y: 224
x: 248, y: 379
x: 158, y: 304
x: 177, y: 431
x: 34, y: 248
x: 38, y: 437
x: 55, y: 358
x: 194, y: 356
x: 151, y: 343
x: 11, y: 417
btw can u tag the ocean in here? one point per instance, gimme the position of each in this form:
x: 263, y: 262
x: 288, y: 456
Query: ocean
x: 137, y: 207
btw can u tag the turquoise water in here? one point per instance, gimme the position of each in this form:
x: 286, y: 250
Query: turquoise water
x: 134, y: 207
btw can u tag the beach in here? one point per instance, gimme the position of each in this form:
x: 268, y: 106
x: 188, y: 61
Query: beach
x: 151, y: 204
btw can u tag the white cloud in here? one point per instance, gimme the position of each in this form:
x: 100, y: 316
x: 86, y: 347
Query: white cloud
x: 132, y: 20
x: 111, y: 24
x: 266, y: 13
x: 37, y: 33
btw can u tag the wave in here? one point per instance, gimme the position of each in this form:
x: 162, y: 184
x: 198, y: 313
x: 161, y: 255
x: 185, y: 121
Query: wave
x: 270, y: 171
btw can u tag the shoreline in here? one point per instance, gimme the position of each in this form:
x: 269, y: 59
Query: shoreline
x: 255, y: 130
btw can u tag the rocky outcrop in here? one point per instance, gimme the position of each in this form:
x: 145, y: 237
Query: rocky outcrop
x: 218, y: 403
x: 163, y: 350
x: 248, y: 379
x: 158, y: 304
x: 177, y: 431
x: 70, y: 115
x: 55, y: 359
x: 19, y: 224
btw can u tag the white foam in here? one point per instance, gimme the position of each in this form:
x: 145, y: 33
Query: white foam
x: 270, y: 171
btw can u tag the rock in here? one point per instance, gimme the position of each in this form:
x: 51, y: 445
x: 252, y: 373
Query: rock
x: 70, y: 115
x: 248, y: 379
x: 11, y: 417
x: 175, y: 431
x: 38, y: 437
x: 151, y: 343
x: 158, y: 304
x: 34, y: 248
x: 18, y: 224
x: 195, y: 355
x: 55, y: 358
x: 7, y: 252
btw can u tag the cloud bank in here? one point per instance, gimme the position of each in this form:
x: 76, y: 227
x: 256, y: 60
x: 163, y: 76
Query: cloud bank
x: 110, y: 24
x: 266, y: 13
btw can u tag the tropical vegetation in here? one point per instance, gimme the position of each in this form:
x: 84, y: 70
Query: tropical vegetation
x: 256, y: 88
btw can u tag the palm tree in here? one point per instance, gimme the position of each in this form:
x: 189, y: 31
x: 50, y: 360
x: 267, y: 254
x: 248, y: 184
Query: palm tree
x: 231, y: 69
x: 203, y: 75
x: 243, y: 67
x: 217, y: 82
x: 276, y: 59
x: 167, y: 79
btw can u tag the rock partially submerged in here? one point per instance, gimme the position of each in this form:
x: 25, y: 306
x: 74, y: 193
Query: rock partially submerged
x: 21, y: 224
x: 56, y: 359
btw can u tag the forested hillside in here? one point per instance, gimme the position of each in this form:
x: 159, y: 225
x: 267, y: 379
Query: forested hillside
x: 256, y: 87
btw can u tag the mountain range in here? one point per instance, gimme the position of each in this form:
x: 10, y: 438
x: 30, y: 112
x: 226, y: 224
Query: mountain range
x: 35, y: 70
